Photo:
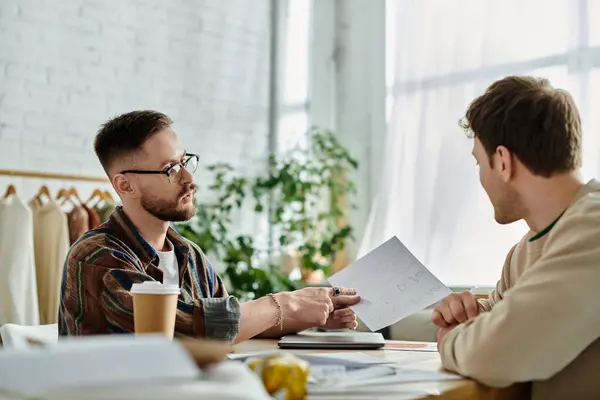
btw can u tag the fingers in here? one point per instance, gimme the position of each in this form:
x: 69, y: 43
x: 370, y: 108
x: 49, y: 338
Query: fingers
x: 325, y: 301
x: 342, y: 291
x: 464, y: 307
x: 458, y: 310
x: 444, y: 309
x: 351, y: 325
x: 346, y: 319
x: 329, y: 292
x: 471, y: 305
x: 438, y: 319
x: 346, y: 325
x: 455, y: 308
x: 343, y: 313
x: 344, y: 301
x: 343, y: 297
x: 343, y: 319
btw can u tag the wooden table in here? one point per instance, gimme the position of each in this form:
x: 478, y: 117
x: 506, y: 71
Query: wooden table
x: 428, y: 361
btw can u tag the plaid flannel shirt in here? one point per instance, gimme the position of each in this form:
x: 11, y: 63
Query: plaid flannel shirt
x: 103, y: 264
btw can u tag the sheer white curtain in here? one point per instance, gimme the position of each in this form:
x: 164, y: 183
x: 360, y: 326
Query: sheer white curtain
x: 442, y: 54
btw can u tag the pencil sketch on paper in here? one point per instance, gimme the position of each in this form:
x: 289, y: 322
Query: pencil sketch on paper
x: 392, y: 283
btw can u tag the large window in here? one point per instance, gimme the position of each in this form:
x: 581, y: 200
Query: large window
x: 293, y: 121
x: 442, y: 54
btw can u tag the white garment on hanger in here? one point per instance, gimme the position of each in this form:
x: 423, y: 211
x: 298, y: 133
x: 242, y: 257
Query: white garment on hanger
x: 51, y: 245
x: 18, y: 288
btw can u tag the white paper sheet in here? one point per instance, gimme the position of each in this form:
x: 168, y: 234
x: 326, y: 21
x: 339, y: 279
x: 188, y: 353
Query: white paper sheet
x: 349, y: 376
x: 392, y: 283
x: 347, y: 359
x: 95, y: 361
x: 227, y: 380
x: 388, y: 376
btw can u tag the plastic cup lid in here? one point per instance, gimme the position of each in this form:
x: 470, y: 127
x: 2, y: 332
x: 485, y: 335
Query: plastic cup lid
x: 153, y: 287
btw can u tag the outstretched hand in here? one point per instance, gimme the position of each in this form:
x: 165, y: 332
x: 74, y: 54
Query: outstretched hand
x: 343, y: 317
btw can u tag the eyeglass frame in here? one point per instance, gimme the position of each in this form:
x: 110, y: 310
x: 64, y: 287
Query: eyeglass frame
x: 165, y: 171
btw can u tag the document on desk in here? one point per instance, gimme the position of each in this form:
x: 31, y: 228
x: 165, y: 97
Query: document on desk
x: 344, y: 359
x: 392, y: 283
x: 381, y: 375
x: 40, y: 370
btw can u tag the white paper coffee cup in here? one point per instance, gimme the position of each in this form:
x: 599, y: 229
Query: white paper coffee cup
x: 154, y: 307
x: 154, y: 287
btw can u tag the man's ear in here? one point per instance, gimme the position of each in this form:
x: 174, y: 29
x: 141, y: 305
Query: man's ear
x: 504, y: 162
x: 123, y: 186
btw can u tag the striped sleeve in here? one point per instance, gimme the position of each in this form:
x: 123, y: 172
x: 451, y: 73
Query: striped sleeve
x: 222, y: 312
x: 96, y: 293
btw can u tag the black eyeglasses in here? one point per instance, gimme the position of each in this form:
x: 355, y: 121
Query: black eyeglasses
x: 173, y: 172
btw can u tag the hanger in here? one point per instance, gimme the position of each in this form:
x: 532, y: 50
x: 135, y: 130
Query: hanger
x: 73, y: 192
x: 61, y: 193
x: 10, y: 190
x: 96, y: 193
x: 108, y: 196
x: 66, y: 196
x: 43, y: 191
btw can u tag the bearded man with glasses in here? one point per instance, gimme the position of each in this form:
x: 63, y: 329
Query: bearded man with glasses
x: 153, y: 176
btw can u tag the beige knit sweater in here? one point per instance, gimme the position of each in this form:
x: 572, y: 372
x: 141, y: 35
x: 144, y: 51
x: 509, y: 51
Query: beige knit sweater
x: 543, y: 319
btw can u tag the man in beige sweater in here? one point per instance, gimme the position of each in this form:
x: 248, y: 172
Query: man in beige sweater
x: 542, y: 322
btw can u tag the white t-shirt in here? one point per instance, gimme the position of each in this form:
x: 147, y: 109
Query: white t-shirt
x: 169, y: 266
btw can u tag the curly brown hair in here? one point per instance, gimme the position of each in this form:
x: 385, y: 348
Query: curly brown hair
x: 538, y: 123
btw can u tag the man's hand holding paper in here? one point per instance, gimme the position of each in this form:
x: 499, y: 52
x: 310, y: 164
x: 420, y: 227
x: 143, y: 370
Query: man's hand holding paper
x: 392, y: 283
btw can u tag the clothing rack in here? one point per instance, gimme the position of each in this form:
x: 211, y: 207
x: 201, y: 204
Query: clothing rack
x: 48, y: 175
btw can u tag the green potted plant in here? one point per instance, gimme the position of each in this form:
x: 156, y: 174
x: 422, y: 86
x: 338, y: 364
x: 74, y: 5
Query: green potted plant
x: 305, y: 196
x: 211, y: 229
x: 309, y: 193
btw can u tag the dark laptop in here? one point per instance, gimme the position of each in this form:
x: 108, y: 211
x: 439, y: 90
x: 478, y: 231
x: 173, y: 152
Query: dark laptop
x: 333, y: 340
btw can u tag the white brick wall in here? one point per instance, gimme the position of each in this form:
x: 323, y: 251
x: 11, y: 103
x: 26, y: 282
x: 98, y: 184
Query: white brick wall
x: 66, y: 66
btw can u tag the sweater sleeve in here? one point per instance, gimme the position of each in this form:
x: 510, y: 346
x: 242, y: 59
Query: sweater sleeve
x: 503, y: 284
x: 544, y: 321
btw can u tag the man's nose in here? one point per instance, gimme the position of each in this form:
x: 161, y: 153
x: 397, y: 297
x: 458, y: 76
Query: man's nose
x: 186, y: 176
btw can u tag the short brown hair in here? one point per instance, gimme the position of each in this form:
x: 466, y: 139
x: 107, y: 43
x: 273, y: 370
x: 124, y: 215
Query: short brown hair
x: 532, y: 119
x: 127, y: 133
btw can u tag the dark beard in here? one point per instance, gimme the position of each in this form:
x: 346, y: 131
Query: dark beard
x: 169, y: 211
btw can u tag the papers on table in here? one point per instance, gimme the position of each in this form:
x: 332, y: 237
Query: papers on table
x: 380, y: 375
x: 392, y: 283
x: 124, y: 367
x: 372, y: 371
x: 228, y: 380
x: 411, y: 346
x: 345, y: 359
x: 94, y: 361
x: 331, y: 372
